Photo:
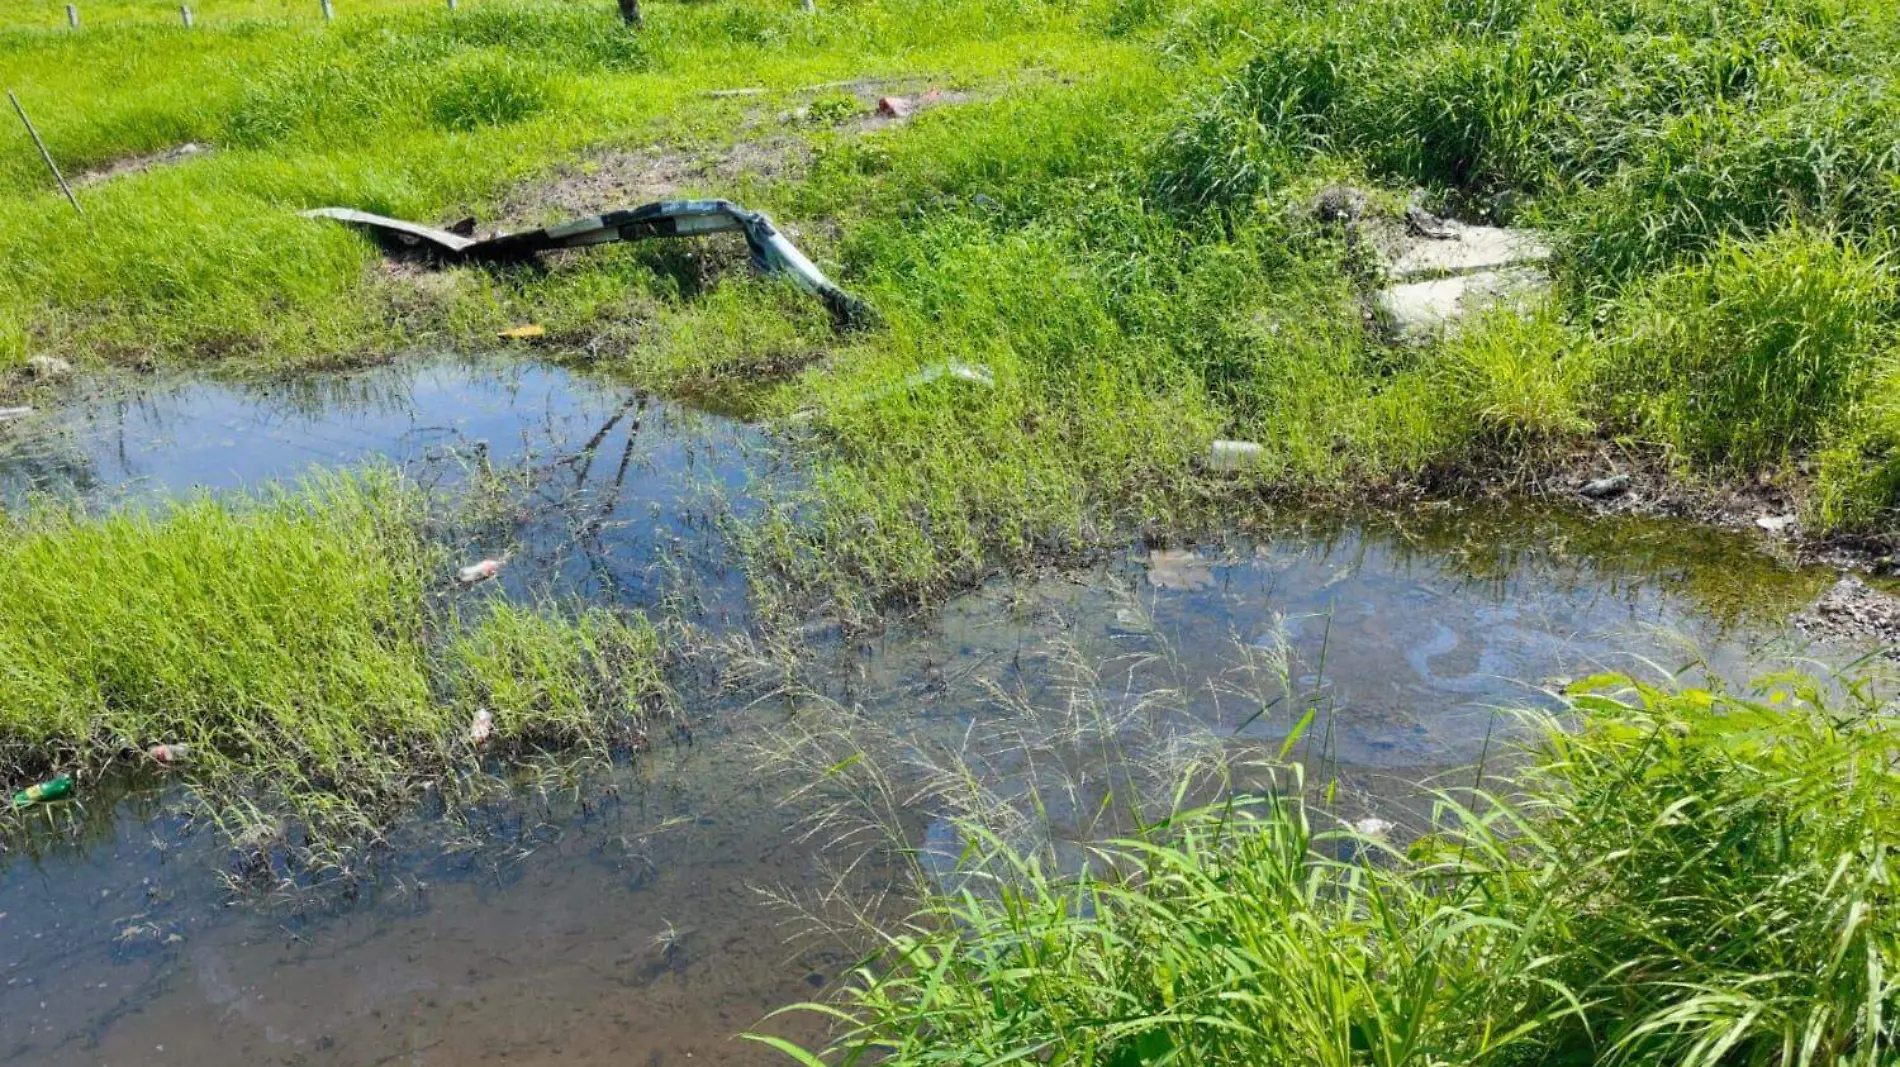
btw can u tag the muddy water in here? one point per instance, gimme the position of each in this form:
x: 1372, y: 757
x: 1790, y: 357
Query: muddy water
x: 625, y: 924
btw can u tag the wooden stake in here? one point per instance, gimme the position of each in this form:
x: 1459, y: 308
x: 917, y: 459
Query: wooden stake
x: 44, y: 154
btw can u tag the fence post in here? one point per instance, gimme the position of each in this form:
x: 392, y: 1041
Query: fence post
x: 451, y: 5
x: 328, y: 11
x: 44, y: 154
x: 72, y: 17
x: 185, y: 11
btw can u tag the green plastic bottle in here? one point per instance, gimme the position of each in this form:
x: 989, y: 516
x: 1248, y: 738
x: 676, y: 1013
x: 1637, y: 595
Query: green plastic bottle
x: 53, y: 789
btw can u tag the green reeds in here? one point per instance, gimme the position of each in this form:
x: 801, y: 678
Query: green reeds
x: 1686, y: 877
x: 303, y: 643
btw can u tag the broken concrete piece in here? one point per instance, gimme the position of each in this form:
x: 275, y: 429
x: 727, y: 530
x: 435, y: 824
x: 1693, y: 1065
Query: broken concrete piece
x: 1233, y: 455
x: 1605, y: 488
x: 1466, y: 250
x: 1421, y: 311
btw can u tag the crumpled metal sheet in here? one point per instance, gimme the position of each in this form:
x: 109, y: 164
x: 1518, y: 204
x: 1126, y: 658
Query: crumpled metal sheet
x: 771, y: 251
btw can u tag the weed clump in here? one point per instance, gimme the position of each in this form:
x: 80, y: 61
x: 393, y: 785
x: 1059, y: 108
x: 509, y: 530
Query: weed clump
x: 297, y: 644
x: 1689, y: 877
x: 1744, y: 359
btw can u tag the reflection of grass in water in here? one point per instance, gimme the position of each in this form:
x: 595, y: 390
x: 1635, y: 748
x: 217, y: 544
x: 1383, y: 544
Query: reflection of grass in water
x: 1679, y: 877
x: 295, y: 641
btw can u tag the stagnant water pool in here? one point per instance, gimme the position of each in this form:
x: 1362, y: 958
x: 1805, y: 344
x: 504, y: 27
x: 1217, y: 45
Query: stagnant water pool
x: 629, y: 923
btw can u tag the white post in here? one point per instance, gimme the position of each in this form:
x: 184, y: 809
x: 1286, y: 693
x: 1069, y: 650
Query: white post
x: 72, y: 16
x: 451, y: 5
x: 185, y: 10
x: 328, y: 11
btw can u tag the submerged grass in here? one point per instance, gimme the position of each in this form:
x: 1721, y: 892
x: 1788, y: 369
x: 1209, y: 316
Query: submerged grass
x: 300, y: 644
x: 1687, y: 877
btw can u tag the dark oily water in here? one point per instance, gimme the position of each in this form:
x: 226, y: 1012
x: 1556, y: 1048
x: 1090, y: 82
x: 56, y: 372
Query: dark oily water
x: 612, y: 489
x: 622, y: 923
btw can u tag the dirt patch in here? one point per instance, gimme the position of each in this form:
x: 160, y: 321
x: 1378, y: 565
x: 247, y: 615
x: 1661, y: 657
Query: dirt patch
x: 1855, y: 611
x: 627, y: 178
x: 140, y: 164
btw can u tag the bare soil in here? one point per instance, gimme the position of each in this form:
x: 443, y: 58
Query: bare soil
x: 139, y: 164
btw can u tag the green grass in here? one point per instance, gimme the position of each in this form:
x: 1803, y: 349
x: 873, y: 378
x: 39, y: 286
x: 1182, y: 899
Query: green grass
x: 306, y: 644
x: 1686, y: 877
x: 1115, y: 225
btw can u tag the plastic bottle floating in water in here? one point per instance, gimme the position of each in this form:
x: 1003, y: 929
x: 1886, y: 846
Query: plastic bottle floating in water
x: 52, y: 789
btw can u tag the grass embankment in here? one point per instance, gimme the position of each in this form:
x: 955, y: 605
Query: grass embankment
x: 407, y: 110
x: 1689, y: 878
x: 1117, y: 226
x: 302, y: 644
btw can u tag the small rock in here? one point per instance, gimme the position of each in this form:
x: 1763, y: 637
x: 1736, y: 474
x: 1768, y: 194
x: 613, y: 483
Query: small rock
x: 1779, y: 525
x: 49, y: 368
x: 1854, y: 610
x: 1339, y: 203
x: 482, y: 727
x: 1605, y: 488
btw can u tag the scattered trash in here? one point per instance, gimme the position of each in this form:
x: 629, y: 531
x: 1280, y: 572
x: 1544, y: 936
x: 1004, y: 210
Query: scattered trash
x: 482, y: 727
x: 1179, y: 569
x: 962, y: 372
x: 895, y: 107
x: 1424, y: 223
x: 49, y: 368
x: 1233, y: 455
x: 771, y: 252
x: 14, y: 413
x: 1776, y: 524
x: 1605, y: 488
x: 478, y: 572
x: 523, y: 333
x: 171, y: 753
x: 974, y: 374
x: 1373, y: 826
x: 52, y: 789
